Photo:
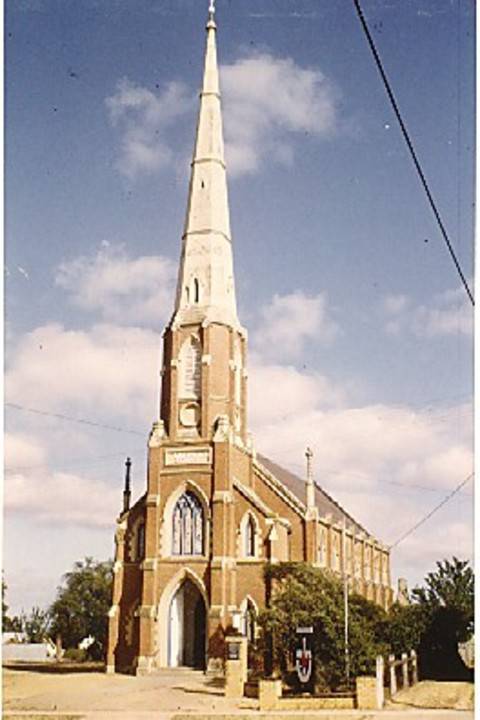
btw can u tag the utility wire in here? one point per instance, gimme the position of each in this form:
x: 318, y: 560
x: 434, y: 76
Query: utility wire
x: 413, y: 154
x: 75, y: 462
x: 432, y: 512
x: 82, y: 421
x: 379, y: 483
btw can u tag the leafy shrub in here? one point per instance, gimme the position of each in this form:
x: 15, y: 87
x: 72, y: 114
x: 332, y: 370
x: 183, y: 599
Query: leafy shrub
x: 75, y: 655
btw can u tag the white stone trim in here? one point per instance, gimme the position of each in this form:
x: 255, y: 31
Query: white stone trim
x: 241, y: 537
x: 192, y: 456
x: 280, y: 489
x: 149, y: 564
x: 252, y: 497
x: 162, y: 613
x: 222, y: 496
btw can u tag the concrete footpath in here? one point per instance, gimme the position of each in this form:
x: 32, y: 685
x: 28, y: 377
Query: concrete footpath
x: 411, y: 714
x: 186, y: 695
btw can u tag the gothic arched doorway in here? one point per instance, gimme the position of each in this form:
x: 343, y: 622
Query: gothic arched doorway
x: 187, y: 627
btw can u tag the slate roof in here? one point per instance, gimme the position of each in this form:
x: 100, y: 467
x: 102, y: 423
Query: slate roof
x: 325, y: 503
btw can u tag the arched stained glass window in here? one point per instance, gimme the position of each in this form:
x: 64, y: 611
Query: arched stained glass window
x: 250, y: 537
x: 187, y: 526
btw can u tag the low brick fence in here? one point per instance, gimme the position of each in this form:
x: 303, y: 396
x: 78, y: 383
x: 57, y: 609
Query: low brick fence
x: 271, y: 698
x: 369, y: 691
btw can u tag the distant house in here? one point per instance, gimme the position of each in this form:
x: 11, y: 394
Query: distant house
x: 13, y: 637
x: 15, y: 648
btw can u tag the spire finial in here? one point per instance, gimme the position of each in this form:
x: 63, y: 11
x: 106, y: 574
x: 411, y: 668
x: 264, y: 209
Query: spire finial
x: 211, y: 15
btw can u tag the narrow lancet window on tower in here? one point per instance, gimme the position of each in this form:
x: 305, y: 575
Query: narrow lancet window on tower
x: 190, y: 368
x: 196, y: 291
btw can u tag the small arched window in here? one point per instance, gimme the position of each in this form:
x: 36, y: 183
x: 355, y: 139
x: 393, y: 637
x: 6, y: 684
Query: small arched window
x: 250, y: 537
x: 196, y: 291
x: 141, y: 542
x: 322, y: 548
x: 187, y: 526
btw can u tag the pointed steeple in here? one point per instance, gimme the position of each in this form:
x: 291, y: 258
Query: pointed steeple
x: 205, y: 290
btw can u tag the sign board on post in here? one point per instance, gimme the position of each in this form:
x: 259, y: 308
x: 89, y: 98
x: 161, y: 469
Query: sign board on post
x: 233, y: 651
x: 304, y: 658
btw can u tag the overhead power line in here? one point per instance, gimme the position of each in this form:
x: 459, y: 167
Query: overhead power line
x: 381, y: 481
x: 75, y: 462
x: 82, y: 421
x: 432, y: 512
x: 413, y: 154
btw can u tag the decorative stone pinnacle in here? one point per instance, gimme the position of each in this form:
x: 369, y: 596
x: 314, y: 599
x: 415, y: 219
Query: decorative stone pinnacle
x: 310, y: 484
x: 309, y: 456
x: 126, y: 492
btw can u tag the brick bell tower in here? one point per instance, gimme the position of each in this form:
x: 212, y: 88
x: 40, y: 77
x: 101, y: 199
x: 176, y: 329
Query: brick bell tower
x: 201, y: 433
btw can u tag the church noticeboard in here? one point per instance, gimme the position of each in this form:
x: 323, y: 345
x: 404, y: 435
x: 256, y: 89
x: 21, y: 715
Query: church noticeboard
x: 233, y: 651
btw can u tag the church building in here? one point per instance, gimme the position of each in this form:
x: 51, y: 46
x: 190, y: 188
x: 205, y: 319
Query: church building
x: 190, y: 553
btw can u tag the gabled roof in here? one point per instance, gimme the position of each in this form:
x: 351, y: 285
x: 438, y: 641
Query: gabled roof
x: 325, y: 504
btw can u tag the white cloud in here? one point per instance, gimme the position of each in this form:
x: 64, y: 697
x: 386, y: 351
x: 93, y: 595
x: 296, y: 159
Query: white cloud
x: 376, y: 460
x: 267, y: 99
x: 125, y: 290
x: 144, y: 118
x: 291, y: 320
x: 395, y: 304
x: 32, y: 488
x: 105, y: 371
x: 448, y: 313
x: 61, y: 498
x: 21, y: 451
x: 299, y: 392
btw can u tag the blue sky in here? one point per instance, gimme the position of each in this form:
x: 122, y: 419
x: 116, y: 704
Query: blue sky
x: 343, y: 281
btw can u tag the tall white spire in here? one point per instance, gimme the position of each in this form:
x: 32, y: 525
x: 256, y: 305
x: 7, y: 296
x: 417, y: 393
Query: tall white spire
x: 205, y: 288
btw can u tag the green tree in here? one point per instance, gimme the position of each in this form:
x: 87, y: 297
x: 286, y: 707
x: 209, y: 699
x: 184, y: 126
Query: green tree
x: 446, y: 605
x: 9, y: 624
x: 406, y: 626
x: 303, y: 595
x: 5, y: 618
x: 439, y: 617
x: 36, y: 625
x: 81, y: 607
